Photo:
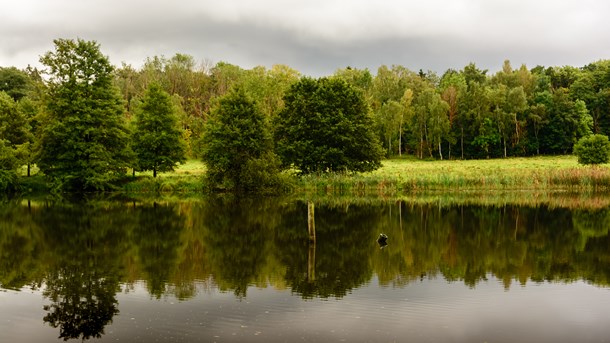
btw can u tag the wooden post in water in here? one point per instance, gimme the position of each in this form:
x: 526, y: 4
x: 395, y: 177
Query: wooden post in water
x: 311, y: 223
x: 311, y: 253
x: 311, y: 262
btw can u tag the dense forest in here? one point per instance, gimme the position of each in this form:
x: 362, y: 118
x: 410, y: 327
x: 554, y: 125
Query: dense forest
x: 461, y: 114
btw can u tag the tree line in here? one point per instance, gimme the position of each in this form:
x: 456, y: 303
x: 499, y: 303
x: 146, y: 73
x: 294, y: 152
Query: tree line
x: 83, y: 121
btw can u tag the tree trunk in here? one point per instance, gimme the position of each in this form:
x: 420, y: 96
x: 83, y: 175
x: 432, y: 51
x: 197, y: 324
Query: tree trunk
x: 29, y: 167
x: 462, y: 144
x: 154, y: 171
x: 428, y: 141
x: 421, y: 145
x: 504, y: 138
x: 440, y: 152
x: 400, y: 139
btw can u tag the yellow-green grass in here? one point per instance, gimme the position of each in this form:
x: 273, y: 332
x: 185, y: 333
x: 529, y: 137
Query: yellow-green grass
x: 186, y: 177
x: 408, y: 175
x: 191, y: 167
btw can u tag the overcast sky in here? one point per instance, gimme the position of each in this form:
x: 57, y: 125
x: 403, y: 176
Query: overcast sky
x: 316, y: 36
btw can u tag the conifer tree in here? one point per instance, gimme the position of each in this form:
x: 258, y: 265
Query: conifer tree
x: 157, y: 139
x: 84, y: 142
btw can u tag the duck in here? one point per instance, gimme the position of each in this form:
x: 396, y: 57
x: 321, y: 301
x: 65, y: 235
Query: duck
x: 382, y: 238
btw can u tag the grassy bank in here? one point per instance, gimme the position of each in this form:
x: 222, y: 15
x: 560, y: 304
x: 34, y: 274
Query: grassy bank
x: 407, y: 176
x: 412, y: 175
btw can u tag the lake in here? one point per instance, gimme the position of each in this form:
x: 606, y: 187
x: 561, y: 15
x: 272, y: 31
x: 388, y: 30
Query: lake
x: 249, y: 270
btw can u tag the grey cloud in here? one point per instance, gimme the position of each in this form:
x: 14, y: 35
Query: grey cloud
x: 488, y: 33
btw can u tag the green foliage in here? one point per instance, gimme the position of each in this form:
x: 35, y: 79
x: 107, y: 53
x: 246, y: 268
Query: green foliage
x: 157, y: 141
x: 8, y: 160
x: 237, y: 146
x: 84, y: 141
x: 9, y: 181
x: 325, y: 127
x: 593, y: 149
x: 14, y: 82
x: 14, y: 126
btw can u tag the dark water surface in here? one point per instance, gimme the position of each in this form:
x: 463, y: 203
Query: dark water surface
x: 247, y: 271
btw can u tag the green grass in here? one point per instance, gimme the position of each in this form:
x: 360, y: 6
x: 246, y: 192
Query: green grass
x: 189, y: 168
x: 411, y: 175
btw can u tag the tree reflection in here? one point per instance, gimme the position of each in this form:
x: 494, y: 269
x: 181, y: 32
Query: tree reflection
x: 20, y: 247
x: 157, y: 237
x: 238, y: 234
x: 83, y: 302
x: 85, y: 267
x: 344, y: 242
x: 82, y: 252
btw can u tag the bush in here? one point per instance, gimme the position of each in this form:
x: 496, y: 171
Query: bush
x: 9, y: 182
x: 593, y: 149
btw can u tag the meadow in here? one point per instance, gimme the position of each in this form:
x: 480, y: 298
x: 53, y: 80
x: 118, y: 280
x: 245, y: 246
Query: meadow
x: 408, y: 175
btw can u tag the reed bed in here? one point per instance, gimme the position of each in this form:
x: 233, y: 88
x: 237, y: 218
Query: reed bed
x: 408, y: 175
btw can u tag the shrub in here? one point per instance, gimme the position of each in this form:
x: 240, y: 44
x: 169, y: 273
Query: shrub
x: 593, y: 149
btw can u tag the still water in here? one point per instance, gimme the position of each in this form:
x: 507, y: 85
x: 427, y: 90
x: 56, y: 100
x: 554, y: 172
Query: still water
x: 222, y: 270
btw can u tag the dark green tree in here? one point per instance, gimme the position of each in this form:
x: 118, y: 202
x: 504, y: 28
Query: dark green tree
x: 324, y: 127
x: 84, y: 142
x: 157, y: 139
x: 237, y: 146
x: 14, y: 82
x: 593, y: 149
x: 568, y: 122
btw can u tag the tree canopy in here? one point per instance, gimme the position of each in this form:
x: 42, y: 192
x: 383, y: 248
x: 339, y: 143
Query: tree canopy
x: 238, y: 147
x: 70, y: 119
x: 157, y: 140
x: 85, y: 139
x: 325, y: 126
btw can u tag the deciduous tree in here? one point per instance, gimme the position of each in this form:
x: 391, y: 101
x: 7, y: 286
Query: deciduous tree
x: 325, y: 127
x: 237, y: 146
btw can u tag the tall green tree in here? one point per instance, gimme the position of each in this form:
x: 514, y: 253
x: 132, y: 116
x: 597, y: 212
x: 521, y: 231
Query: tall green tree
x: 431, y: 120
x: 157, y: 139
x: 568, y: 122
x: 593, y: 87
x: 16, y: 129
x: 84, y: 141
x: 237, y: 146
x: 325, y: 126
x: 452, y: 87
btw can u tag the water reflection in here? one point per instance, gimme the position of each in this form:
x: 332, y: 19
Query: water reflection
x: 80, y: 255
